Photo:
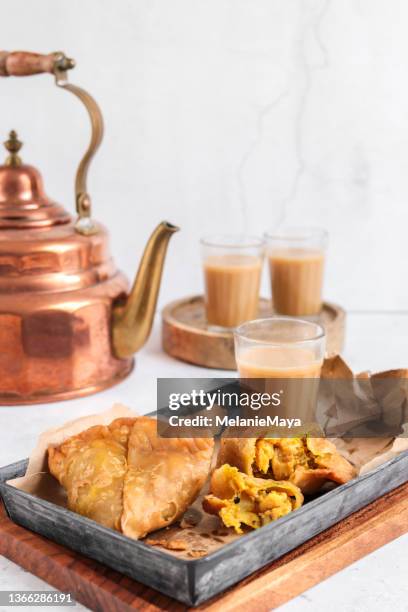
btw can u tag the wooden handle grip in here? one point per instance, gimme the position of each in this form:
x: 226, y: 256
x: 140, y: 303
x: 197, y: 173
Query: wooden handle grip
x: 23, y: 63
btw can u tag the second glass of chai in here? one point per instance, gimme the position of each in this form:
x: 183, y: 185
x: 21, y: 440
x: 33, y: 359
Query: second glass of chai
x: 232, y: 273
x: 296, y: 262
x: 284, y: 356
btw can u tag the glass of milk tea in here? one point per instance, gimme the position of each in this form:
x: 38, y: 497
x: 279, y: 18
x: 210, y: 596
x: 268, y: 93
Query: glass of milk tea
x: 296, y: 263
x: 232, y: 275
x: 285, y: 356
x: 279, y: 347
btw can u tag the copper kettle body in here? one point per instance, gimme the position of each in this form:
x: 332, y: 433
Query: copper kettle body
x: 68, y: 324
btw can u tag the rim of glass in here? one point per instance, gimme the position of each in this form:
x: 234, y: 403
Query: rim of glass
x: 297, y: 233
x: 320, y: 332
x: 233, y: 241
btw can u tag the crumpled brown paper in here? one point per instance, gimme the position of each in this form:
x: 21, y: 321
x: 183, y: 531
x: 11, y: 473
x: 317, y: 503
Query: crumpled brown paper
x: 362, y: 405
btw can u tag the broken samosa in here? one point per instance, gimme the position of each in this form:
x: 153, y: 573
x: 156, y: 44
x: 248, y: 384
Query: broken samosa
x: 239, y: 499
x: 307, y: 462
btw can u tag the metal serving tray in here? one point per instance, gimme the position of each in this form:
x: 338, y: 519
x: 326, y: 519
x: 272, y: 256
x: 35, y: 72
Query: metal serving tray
x: 195, y: 581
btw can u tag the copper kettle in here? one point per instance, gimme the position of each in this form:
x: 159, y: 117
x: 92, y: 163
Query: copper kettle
x: 68, y: 326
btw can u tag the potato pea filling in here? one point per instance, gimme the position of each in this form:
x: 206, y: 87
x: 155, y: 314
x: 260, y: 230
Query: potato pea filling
x: 278, y: 457
x: 239, y: 499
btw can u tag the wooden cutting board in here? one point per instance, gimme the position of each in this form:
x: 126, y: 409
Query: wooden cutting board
x: 186, y: 335
x: 103, y: 589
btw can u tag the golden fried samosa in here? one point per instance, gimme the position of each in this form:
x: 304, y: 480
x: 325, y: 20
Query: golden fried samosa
x: 91, y: 467
x: 307, y: 462
x: 125, y: 477
x: 164, y: 476
x: 239, y: 499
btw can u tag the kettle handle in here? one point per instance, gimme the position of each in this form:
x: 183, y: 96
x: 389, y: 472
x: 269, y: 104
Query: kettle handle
x: 23, y: 63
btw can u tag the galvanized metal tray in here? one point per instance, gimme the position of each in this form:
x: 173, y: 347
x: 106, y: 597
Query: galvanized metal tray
x: 195, y: 581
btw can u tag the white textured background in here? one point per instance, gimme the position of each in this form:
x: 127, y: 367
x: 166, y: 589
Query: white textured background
x: 229, y: 114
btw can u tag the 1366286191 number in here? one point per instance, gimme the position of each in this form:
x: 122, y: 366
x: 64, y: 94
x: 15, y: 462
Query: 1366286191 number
x: 36, y: 598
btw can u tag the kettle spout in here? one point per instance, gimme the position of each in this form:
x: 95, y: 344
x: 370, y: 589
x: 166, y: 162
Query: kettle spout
x: 132, y: 321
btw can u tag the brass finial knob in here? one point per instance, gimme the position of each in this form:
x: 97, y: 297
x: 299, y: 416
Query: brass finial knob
x: 13, y: 146
x: 62, y: 62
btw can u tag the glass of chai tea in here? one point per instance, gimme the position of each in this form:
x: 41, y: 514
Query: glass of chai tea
x: 296, y: 262
x: 282, y: 355
x: 232, y: 274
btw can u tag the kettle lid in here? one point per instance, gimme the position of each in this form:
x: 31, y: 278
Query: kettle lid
x: 23, y: 201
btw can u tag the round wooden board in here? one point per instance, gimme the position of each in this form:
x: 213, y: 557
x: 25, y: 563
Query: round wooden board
x: 185, y: 334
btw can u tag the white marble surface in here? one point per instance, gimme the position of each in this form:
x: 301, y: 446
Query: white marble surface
x: 377, y: 582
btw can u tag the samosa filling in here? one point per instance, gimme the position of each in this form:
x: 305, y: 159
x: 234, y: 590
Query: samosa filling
x: 278, y: 457
x: 239, y: 499
x: 255, y: 512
